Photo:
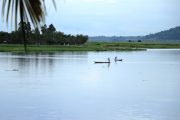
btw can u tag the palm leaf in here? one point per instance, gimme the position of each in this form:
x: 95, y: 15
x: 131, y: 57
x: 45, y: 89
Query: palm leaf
x: 33, y: 11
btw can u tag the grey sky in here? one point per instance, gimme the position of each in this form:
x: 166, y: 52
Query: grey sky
x: 113, y: 17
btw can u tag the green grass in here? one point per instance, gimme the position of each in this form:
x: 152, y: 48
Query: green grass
x: 91, y: 46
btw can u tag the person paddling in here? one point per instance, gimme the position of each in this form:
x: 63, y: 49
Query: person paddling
x: 115, y: 59
x: 109, y: 60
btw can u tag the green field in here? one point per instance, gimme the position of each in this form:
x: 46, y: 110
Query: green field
x: 91, y: 46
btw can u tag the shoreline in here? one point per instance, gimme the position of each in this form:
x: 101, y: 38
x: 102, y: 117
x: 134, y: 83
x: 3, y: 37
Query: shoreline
x: 90, y: 46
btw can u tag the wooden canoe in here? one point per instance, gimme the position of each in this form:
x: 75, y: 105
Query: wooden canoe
x: 119, y: 60
x: 96, y: 62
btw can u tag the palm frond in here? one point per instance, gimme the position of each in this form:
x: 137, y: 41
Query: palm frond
x: 33, y: 11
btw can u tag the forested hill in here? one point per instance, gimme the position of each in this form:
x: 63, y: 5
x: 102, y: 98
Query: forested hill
x: 171, y: 35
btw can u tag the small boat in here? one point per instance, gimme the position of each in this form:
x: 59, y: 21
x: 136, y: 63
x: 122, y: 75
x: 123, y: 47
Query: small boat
x: 96, y: 62
x: 117, y: 59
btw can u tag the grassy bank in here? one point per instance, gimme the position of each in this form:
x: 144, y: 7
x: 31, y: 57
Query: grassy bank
x: 94, y: 46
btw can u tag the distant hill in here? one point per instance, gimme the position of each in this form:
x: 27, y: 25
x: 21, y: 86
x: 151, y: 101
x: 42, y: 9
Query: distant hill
x: 171, y: 35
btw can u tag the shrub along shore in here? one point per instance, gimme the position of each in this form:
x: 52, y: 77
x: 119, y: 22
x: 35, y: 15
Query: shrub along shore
x: 90, y: 46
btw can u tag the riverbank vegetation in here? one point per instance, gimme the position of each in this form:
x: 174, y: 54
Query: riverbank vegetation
x: 47, y: 36
x: 90, y: 46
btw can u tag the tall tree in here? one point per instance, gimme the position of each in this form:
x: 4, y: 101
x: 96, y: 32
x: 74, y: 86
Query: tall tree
x: 44, y: 29
x: 37, y: 35
x: 24, y: 10
x: 51, y: 28
x: 51, y: 31
x: 27, y: 29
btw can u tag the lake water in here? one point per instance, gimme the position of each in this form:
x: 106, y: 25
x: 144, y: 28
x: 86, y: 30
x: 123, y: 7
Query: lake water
x: 69, y: 86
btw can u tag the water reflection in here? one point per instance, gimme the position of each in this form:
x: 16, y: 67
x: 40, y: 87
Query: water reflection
x: 69, y: 86
x: 41, y: 61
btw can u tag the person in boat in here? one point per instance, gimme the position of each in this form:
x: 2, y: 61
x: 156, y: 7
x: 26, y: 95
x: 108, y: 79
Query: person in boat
x: 115, y: 59
x: 109, y: 60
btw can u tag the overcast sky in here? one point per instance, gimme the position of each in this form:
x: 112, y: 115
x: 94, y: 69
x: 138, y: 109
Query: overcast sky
x: 112, y: 17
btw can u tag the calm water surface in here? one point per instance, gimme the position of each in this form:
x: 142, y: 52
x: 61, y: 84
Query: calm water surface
x: 69, y: 86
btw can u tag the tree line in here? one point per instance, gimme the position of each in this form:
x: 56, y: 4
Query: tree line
x: 47, y: 35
